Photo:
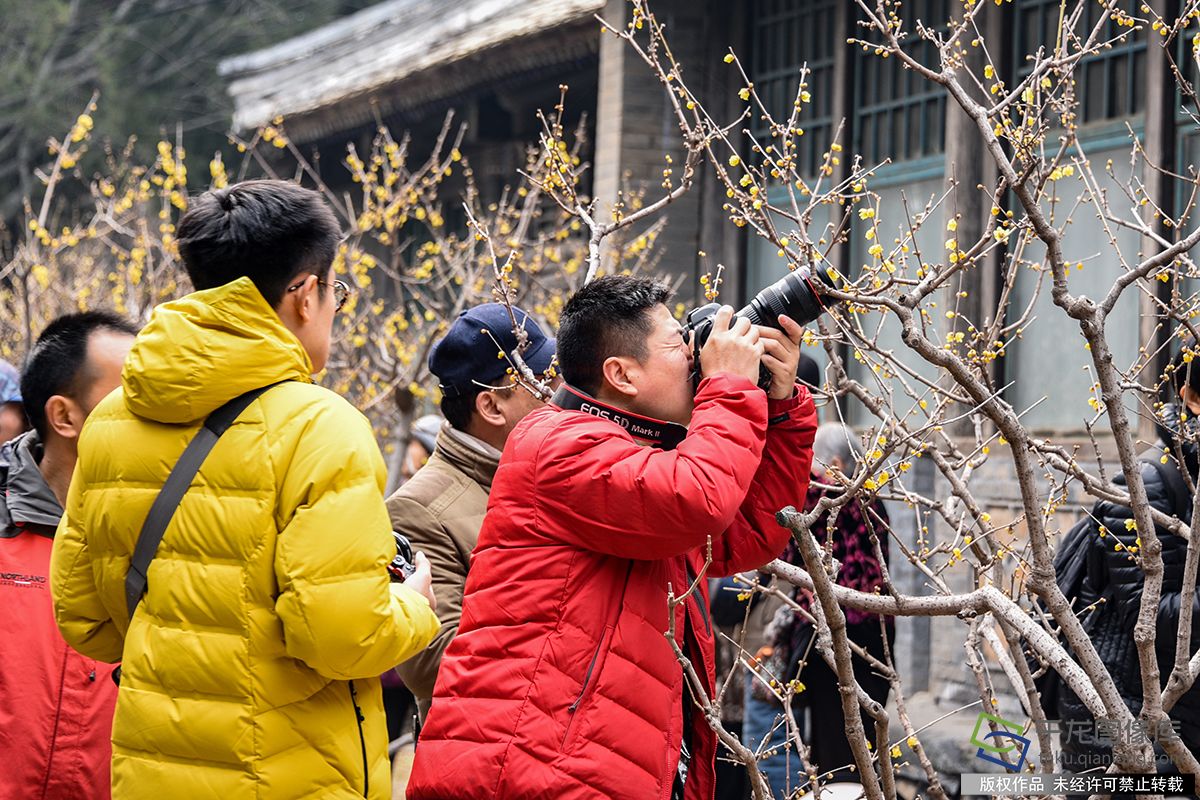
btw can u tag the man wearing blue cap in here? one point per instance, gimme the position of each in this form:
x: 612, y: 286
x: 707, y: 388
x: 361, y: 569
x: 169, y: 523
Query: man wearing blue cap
x: 440, y: 509
x: 12, y: 412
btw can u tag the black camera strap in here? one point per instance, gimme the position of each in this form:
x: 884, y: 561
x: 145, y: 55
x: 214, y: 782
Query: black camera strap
x: 663, y: 435
x: 176, y: 486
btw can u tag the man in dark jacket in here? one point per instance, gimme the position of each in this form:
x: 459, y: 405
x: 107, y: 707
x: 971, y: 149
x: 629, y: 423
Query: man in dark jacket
x: 440, y: 509
x: 56, y: 706
x: 1112, y: 582
x: 560, y: 683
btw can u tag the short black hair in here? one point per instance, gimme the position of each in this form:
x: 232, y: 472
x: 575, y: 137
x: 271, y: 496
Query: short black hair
x: 458, y: 409
x: 608, y: 317
x: 58, y: 361
x: 268, y: 231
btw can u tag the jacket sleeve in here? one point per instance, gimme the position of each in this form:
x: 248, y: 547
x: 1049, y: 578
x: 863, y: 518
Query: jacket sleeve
x: 449, y: 577
x: 1121, y: 575
x: 82, y: 618
x: 340, y: 614
x: 755, y: 537
x: 600, y: 491
x: 1169, y: 607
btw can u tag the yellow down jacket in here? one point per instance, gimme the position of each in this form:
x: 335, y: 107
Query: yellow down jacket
x: 268, y: 614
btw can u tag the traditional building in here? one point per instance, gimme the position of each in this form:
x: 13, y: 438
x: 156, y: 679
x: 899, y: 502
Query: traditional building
x: 406, y: 61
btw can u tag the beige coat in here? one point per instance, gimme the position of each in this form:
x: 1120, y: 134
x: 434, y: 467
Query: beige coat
x: 440, y: 509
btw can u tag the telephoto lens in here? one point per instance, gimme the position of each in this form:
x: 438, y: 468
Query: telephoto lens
x: 795, y: 295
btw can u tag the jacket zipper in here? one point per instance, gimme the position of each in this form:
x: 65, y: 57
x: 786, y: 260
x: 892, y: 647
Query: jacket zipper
x: 587, y: 677
x: 698, y: 598
x: 362, y: 739
x: 62, y: 681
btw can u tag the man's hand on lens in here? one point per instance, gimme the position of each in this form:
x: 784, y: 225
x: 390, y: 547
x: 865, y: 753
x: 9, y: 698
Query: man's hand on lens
x: 421, y: 581
x: 781, y: 356
x: 735, y: 349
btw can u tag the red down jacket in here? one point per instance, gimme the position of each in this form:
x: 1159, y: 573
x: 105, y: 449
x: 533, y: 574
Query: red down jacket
x: 561, y: 683
x: 56, y: 706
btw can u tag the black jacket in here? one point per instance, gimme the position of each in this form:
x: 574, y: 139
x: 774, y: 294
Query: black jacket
x: 1113, y: 581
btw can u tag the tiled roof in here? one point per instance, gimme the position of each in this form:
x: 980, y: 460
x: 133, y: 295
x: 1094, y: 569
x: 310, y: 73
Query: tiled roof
x: 383, y: 46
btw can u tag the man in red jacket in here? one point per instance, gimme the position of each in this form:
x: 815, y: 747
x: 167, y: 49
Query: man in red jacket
x: 56, y: 707
x: 561, y: 683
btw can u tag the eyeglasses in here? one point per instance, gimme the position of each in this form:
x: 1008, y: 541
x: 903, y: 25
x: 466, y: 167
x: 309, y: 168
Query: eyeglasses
x: 341, y: 291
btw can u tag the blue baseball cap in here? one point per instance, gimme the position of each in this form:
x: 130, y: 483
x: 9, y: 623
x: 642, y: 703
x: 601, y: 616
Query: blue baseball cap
x: 469, y: 353
x: 10, y: 383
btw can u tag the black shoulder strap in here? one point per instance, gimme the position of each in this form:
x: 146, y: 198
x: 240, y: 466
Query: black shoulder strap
x: 176, y: 486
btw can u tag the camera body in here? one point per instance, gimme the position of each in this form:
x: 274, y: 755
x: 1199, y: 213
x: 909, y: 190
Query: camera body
x: 795, y: 295
x: 401, y: 567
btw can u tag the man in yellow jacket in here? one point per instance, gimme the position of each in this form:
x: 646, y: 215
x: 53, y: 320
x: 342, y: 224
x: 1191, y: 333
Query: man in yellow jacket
x: 249, y: 667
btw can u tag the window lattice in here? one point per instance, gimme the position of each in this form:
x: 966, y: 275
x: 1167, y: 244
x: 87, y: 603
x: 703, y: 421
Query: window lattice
x: 787, y: 35
x: 899, y: 114
x: 1108, y: 82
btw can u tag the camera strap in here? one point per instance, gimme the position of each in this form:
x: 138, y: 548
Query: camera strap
x: 177, y: 484
x: 663, y: 435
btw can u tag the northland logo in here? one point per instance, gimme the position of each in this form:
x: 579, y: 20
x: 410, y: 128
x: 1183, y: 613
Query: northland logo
x: 1007, y: 741
x: 22, y: 580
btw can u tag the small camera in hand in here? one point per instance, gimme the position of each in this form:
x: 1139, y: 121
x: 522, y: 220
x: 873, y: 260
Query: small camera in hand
x: 402, y: 566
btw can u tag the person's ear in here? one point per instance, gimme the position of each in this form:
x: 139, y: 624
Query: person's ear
x: 620, y: 373
x: 64, y: 416
x: 487, y: 406
x: 1190, y: 397
x: 306, y: 299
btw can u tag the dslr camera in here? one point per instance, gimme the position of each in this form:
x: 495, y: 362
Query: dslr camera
x: 796, y: 295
